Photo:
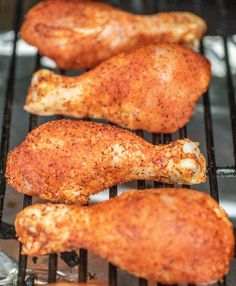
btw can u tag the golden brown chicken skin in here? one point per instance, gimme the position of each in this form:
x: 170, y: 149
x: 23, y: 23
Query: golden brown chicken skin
x: 154, y: 88
x: 174, y: 236
x: 69, y: 160
x: 81, y: 34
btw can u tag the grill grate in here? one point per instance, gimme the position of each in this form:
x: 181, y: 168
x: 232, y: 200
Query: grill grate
x: 214, y: 171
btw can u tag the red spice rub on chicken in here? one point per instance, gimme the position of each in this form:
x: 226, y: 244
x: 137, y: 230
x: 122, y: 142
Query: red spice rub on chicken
x: 154, y: 88
x: 174, y: 236
x: 81, y: 34
x: 66, y: 161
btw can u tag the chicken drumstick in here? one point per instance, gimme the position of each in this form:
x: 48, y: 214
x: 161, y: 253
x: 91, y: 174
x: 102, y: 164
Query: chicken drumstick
x: 174, y: 236
x: 154, y: 88
x: 81, y: 34
x: 69, y: 160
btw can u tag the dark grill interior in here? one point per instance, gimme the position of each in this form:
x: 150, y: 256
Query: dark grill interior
x: 224, y: 29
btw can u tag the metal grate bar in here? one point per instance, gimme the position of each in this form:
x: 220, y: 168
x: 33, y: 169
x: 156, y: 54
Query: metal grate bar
x: 52, y: 267
x: 230, y: 87
x: 167, y: 138
x: 27, y: 199
x: 23, y: 259
x: 183, y: 132
x: 140, y: 184
x: 231, y: 96
x: 112, y: 270
x: 32, y: 121
x: 210, y: 144
x: 156, y: 139
x: 33, y: 118
x: 143, y: 282
x: 209, y: 131
x: 83, y: 255
x: 112, y: 274
x: 113, y: 192
x: 21, y: 268
x: 83, y: 264
x: 223, y: 282
x: 7, y: 113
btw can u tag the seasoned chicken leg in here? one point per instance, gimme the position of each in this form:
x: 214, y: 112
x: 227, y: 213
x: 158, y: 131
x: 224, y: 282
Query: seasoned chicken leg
x: 154, y: 88
x: 68, y: 160
x: 81, y: 34
x: 174, y: 236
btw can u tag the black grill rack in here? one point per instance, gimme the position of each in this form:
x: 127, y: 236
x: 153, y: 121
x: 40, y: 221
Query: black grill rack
x: 7, y: 231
